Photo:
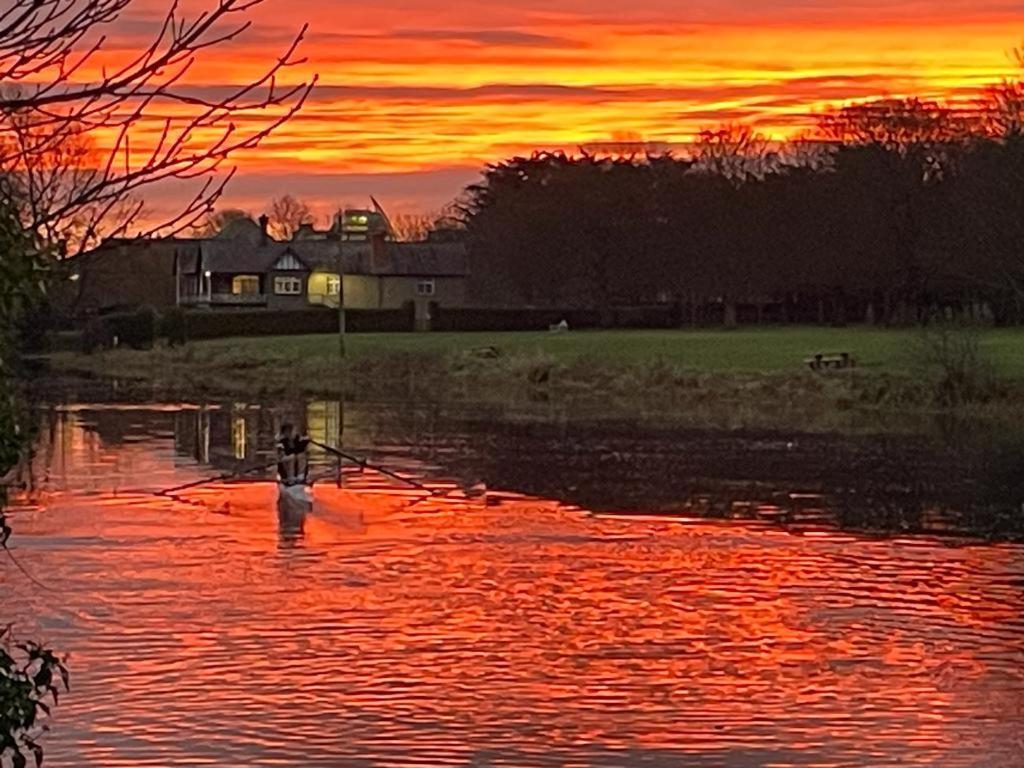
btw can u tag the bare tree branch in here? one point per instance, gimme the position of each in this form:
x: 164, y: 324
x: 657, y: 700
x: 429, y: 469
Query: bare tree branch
x: 287, y: 214
x: 734, y: 152
x: 73, y: 150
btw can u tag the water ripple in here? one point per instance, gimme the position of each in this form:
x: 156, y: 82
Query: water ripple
x: 506, y: 631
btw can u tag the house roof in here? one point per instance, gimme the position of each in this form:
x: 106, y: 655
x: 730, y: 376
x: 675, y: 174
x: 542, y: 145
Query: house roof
x: 423, y: 260
x: 239, y: 256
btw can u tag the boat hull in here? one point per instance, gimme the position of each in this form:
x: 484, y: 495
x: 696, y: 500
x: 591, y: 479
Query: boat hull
x: 294, y: 499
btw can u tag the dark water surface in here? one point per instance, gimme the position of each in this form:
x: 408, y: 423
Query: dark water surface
x: 612, y: 599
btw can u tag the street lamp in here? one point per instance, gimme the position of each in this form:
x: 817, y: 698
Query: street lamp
x: 341, y: 306
x: 341, y: 287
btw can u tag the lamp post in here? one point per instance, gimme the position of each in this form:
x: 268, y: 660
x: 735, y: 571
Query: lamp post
x: 341, y: 289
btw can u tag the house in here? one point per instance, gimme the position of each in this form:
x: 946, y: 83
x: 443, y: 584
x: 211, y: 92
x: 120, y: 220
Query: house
x: 250, y: 269
x: 244, y: 268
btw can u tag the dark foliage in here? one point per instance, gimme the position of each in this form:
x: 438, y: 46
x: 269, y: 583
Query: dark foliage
x: 31, y: 677
x: 173, y: 326
x: 541, y: 319
x: 132, y: 329
x: 96, y: 335
x: 22, y: 273
x: 11, y: 438
x: 486, y: 319
x: 897, y: 208
x: 215, y: 325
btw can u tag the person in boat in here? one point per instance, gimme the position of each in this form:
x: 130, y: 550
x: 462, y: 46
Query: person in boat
x: 292, y: 460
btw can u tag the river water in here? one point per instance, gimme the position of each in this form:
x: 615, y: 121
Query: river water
x: 649, y: 611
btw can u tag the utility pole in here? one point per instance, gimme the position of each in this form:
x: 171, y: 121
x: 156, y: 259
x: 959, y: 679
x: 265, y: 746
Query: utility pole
x: 341, y: 287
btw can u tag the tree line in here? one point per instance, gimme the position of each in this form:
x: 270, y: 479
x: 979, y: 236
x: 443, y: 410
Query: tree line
x: 886, y: 212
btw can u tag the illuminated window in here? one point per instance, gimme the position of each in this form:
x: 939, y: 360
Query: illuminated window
x: 425, y: 288
x: 238, y: 436
x: 287, y: 286
x: 333, y: 285
x: 245, y: 284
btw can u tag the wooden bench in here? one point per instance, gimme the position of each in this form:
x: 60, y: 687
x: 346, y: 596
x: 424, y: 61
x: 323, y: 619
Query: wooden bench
x: 824, y: 360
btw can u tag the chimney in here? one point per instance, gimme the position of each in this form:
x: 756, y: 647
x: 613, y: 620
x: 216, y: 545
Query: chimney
x: 378, y: 252
x: 264, y: 222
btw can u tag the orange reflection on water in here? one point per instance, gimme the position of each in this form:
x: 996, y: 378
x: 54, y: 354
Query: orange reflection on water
x: 503, y: 631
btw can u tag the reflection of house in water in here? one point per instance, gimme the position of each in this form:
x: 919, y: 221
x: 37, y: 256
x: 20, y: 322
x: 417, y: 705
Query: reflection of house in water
x: 225, y: 436
x: 238, y: 436
x: 324, y: 421
x: 192, y: 434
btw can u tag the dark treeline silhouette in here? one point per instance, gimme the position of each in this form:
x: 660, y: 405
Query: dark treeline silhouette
x: 891, y: 210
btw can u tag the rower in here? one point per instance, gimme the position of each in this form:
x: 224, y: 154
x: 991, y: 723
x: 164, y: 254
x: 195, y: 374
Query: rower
x: 292, y: 461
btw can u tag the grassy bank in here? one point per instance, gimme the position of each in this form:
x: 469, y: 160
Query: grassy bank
x: 737, y: 378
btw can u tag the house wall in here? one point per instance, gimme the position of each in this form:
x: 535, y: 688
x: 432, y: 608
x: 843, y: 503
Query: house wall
x: 448, y: 291
x: 286, y: 300
x: 361, y: 291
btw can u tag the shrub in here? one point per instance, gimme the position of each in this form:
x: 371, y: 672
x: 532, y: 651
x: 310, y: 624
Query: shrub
x: 137, y: 330
x: 173, y: 327
x: 30, y: 676
x: 134, y: 329
x: 35, y: 327
x: 950, y: 353
x: 96, y: 335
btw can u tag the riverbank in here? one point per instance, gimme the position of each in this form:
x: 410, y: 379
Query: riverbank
x: 727, y: 379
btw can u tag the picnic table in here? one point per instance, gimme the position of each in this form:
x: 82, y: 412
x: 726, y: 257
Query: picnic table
x: 821, y: 361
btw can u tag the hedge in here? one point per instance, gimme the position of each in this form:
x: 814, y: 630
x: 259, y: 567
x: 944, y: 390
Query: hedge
x: 133, y: 329
x: 219, y: 324
x: 172, y: 326
x: 493, y: 319
x: 138, y: 329
x: 656, y: 316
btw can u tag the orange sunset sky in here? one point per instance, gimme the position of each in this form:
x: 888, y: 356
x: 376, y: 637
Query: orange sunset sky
x: 416, y: 95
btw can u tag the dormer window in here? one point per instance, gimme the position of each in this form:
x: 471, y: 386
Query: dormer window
x: 288, y: 263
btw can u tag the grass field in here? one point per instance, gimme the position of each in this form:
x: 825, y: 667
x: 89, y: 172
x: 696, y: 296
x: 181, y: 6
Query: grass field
x: 712, y: 351
x: 708, y: 377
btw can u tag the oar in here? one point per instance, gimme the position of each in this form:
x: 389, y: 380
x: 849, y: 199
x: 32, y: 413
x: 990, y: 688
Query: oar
x: 364, y: 463
x: 217, y: 478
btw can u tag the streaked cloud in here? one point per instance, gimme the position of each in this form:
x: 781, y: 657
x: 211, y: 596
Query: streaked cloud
x: 413, y: 88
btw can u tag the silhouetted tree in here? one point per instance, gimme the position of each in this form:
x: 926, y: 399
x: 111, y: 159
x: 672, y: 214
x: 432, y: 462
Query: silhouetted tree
x: 286, y: 215
x: 894, y: 152
x: 450, y: 224
x: 1002, y: 106
x: 735, y: 152
x: 890, y: 210
x: 220, y: 220
x: 983, y: 226
x: 412, y: 227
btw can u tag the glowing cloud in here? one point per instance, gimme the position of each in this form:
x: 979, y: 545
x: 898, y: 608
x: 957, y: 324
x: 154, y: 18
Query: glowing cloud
x: 428, y: 90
